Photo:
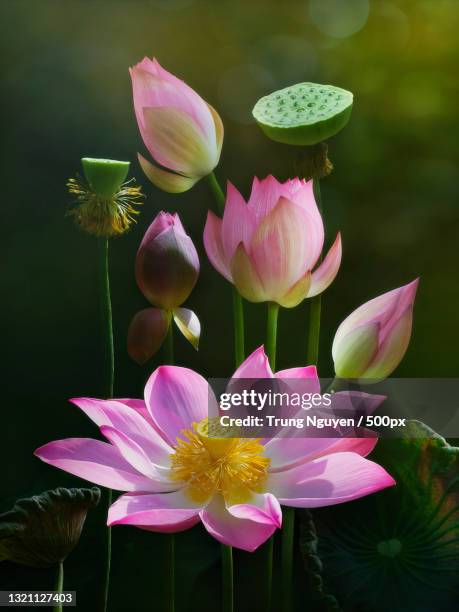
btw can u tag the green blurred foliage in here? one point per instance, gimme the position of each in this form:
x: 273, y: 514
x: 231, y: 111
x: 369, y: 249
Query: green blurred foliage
x: 66, y: 94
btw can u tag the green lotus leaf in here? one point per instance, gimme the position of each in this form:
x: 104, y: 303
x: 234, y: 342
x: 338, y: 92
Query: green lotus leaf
x: 304, y: 114
x: 398, y: 549
x: 42, y: 530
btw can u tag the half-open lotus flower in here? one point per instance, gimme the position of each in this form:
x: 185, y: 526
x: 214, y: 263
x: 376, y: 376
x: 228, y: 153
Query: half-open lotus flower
x: 175, y: 475
x: 166, y: 270
x: 371, y: 341
x: 183, y: 133
x: 269, y: 248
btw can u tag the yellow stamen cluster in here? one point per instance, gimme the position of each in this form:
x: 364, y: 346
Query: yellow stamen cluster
x: 104, y: 216
x: 234, y: 467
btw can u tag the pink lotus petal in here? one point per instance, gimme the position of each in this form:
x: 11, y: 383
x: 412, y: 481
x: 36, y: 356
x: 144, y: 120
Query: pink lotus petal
x: 136, y: 456
x: 256, y: 365
x: 98, y: 462
x: 175, y: 142
x: 167, y: 181
x: 238, y: 532
x: 238, y: 222
x: 176, y: 397
x: 282, y: 248
x: 392, y: 347
x: 116, y: 414
x: 297, y: 293
x: 326, y: 273
x: 219, y: 128
x: 245, y: 276
x: 189, y: 324
x: 354, y: 352
x: 328, y: 480
x: 287, y: 453
x: 136, y: 404
x: 146, y: 334
x: 262, y: 508
x: 166, y: 513
x: 361, y: 446
x: 266, y: 194
x: 153, y: 86
x: 298, y: 373
x: 213, y: 243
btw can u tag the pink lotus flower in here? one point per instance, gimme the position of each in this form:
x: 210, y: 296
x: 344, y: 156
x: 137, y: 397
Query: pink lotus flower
x: 166, y: 270
x: 176, y: 476
x: 183, y: 133
x: 373, y: 339
x: 269, y: 247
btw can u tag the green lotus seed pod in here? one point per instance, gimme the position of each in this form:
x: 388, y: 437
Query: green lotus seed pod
x: 304, y: 114
x: 105, y: 176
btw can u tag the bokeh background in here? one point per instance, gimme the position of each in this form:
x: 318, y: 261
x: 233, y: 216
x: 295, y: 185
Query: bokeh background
x: 66, y: 93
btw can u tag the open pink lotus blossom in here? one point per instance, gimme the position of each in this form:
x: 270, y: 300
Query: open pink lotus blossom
x: 371, y: 341
x: 183, y: 133
x: 175, y: 475
x: 270, y: 247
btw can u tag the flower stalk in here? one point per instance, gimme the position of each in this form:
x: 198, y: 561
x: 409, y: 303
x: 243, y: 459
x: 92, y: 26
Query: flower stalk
x: 59, y: 585
x: 169, y: 552
x: 270, y: 345
x: 108, y: 321
x: 227, y: 573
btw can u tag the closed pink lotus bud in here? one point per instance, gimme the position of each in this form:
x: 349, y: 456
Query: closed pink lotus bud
x: 372, y: 341
x: 183, y: 133
x: 270, y: 247
x: 167, y: 264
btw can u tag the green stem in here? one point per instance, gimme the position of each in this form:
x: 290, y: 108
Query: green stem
x: 227, y: 573
x: 238, y: 306
x: 217, y: 191
x: 288, y: 527
x: 268, y: 553
x: 238, y: 315
x: 59, y: 587
x: 270, y: 347
x: 271, y: 333
x: 108, y: 317
x: 169, y: 344
x: 169, y: 539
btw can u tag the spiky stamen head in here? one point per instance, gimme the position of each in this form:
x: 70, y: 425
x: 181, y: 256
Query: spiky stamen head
x: 103, y: 216
x: 235, y: 467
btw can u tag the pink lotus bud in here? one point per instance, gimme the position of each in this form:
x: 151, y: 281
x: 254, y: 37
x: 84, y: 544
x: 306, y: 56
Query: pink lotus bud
x: 183, y: 134
x: 269, y: 247
x: 167, y: 264
x: 371, y: 342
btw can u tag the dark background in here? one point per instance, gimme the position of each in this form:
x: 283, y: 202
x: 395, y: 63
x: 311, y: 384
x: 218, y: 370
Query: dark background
x: 67, y: 94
